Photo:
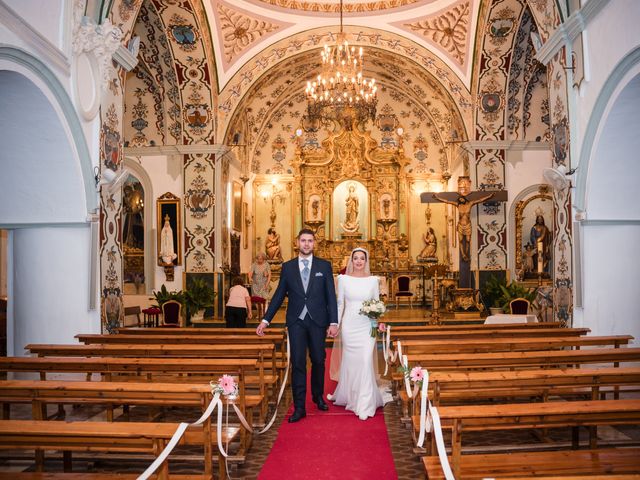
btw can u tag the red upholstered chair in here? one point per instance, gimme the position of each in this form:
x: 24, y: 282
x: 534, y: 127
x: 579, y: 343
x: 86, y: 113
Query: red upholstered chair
x: 151, y: 315
x: 519, y: 306
x: 402, y: 290
x: 260, y: 304
x: 171, y: 310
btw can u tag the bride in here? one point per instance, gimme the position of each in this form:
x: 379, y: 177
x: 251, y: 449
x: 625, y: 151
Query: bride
x: 356, y: 371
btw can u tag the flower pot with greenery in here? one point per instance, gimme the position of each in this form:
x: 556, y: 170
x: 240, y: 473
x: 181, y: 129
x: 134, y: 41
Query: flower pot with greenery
x: 492, y: 294
x: 515, y: 290
x: 163, y: 295
x: 197, y: 297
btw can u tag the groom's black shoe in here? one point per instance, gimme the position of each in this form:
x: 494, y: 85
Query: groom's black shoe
x: 321, y: 404
x: 297, y: 414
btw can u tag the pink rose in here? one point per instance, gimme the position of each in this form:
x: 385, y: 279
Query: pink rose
x: 227, y: 384
x: 382, y: 327
x: 416, y: 374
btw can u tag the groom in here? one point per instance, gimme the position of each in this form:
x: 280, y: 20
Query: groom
x: 312, y: 314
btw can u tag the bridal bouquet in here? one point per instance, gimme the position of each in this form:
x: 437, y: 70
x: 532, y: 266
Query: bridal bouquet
x: 374, y: 309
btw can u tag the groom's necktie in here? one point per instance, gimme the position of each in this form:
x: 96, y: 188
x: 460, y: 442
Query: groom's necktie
x: 305, y: 273
x: 305, y: 283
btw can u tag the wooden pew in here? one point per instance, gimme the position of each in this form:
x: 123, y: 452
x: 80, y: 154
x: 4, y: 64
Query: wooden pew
x: 488, y: 333
x: 591, y: 413
x: 474, y: 326
x: 557, y: 465
x: 460, y: 386
x: 511, y: 344
x: 90, y: 476
x: 111, y: 394
x: 130, y: 437
x: 522, y: 360
x: 249, y: 331
x: 264, y: 353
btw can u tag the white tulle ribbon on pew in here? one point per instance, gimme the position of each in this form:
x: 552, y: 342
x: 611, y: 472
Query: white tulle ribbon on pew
x: 242, y: 418
x: 215, y: 402
x: 182, y: 427
x: 430, y: 422
x: 389, y: 356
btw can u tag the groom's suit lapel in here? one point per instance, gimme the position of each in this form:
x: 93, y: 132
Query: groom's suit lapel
x: 314, y: 269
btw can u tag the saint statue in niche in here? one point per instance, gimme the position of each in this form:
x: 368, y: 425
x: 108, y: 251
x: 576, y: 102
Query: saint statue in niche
x: 540, y: 238
x: 428, y: 253
x: 352, y: 204
x: 167, y: 252
x: 272, y: 246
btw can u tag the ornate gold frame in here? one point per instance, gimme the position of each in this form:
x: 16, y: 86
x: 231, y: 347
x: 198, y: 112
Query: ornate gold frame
x: 543, y: 193
x: 169, y: 204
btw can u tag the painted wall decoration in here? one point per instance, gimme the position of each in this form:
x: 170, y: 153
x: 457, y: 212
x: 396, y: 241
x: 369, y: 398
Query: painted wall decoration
x: 199, y: 215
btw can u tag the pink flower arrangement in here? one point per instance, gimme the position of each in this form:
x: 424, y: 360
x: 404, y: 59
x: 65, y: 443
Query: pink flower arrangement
x: 227, y: 385
x: 416, y: 375
x: 382, y: 327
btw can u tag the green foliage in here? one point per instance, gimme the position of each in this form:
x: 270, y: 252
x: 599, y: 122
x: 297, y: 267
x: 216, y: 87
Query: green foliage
x: 515, y: 290
x: 197, y: 296
x: 492, y: 291
x: 163, y: 295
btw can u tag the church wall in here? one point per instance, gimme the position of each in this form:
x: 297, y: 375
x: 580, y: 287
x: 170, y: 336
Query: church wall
x: 610, y: 35
x: 611, y: 272
x: 50, y: 286
x: 165, y: 172
x: 44, y: 16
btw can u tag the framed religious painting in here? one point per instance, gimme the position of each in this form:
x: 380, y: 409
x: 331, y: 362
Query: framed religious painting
x: 236, y: 210
x: 169, y: 228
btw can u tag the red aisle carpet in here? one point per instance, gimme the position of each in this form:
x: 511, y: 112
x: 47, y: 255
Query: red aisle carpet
x: 330, y: 445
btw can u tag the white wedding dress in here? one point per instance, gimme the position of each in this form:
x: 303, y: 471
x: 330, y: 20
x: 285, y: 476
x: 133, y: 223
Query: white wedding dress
x: 357, y: 386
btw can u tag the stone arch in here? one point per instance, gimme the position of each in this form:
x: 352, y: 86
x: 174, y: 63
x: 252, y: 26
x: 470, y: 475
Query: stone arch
x: 607, y: 104
x: 45, y: 84
x: 132, y: 166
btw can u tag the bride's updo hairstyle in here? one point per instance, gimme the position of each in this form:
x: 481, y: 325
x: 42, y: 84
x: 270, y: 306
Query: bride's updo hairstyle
x: 367, y: 269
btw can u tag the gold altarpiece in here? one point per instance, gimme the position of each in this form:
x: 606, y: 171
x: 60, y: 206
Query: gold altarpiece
x: 391, y: 218
x: 351, y: 160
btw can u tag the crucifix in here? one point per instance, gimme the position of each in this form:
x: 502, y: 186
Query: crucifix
x: 463, y: 200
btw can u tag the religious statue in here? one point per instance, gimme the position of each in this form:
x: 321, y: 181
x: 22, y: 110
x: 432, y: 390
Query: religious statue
x: 464, y: 202
x: 352, y: 204
x: 272, y: 246
x: 315, y: 209
x: 464, y: 199
x: 428, y: 253
x: 527, y: 258
x: 540, y: 237
x: 167, y: 252
x: 386, y: 207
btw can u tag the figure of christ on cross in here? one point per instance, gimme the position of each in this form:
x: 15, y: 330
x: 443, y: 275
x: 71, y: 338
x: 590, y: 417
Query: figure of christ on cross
x: 464, y: 199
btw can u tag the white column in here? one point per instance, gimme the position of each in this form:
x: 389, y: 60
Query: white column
x: 50, y: 286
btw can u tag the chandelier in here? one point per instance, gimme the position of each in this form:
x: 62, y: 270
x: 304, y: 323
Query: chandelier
x: 340, y: 91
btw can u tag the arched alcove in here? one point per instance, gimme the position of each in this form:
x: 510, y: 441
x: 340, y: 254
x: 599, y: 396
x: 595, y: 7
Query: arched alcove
x: 41, y: 182
x: 607, y: 185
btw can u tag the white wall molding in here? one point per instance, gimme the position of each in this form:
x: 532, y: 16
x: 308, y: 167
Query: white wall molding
x: 569, y: 30
x: 176, y: 150
x: 50, y: 54
x: 513, y: 145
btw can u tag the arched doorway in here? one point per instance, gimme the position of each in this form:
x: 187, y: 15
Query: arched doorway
x: 44, y: 205
x: 607, y: 184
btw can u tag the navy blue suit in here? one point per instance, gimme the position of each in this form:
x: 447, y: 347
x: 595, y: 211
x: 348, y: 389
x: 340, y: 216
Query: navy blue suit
x: 308, y: 333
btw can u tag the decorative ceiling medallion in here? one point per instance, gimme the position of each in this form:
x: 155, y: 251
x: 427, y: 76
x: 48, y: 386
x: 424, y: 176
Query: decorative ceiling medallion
x: 330, y: 6
x: 240, y: 31
x: 449, y: 30
x: 500, y: 26
x: 183, y: 33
